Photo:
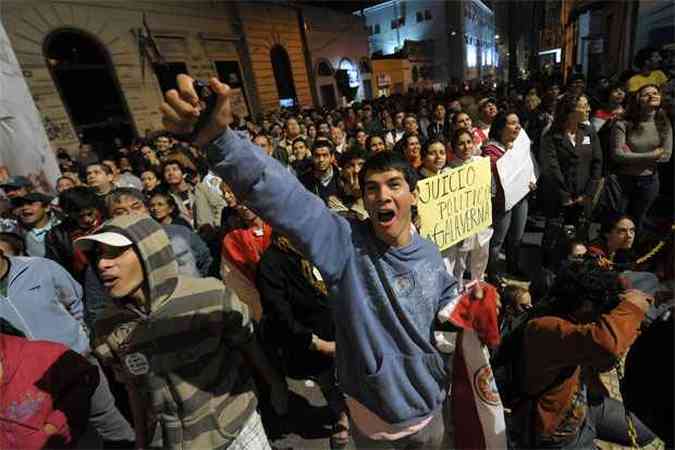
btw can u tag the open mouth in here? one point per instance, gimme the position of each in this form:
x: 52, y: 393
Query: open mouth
x: 385, y: 217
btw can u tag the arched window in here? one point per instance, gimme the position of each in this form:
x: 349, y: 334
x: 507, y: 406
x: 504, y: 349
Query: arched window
x: 283, y: 75
x: 76, y: 61
x: 324, y: 69
x: 354, y: 79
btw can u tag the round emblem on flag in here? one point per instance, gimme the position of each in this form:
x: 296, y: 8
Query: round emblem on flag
x: 486, y: 386
x: 137, y: 364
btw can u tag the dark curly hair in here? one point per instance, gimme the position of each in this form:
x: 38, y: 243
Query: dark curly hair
x: 584, y: 279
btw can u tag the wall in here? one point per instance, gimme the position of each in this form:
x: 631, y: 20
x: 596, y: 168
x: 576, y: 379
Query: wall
x: 389, y: 40
x: 333, y: 36
x: 655, y: 24
x: 399, y: 70
x: 205, y: 34
x: 264, y: 26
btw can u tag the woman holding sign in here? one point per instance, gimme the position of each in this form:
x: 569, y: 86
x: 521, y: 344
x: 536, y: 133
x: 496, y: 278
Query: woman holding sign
x: 508, y: 223
x: 474, y: 249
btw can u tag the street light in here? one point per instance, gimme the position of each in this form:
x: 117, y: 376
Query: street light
x: 453, y: 33
x: 496, y: 36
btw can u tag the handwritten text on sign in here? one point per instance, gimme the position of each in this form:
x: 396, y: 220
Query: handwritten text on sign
x: 456, y: 204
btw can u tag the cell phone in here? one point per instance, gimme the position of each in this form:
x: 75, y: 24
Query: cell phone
x: 208, y: 100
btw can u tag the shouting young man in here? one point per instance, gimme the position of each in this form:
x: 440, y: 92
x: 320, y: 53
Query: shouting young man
x: 386, y: 283
x: 180, y: 344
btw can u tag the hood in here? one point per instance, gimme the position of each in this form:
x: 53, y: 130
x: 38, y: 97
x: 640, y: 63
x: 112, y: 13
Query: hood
x: 156, y: 254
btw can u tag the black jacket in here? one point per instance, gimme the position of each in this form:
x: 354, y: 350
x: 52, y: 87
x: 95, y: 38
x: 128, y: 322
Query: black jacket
x: 59, y: 247
x: 434, y: 130
x: 568, y: 171
x: 313, y: 185
x: 295, y: 306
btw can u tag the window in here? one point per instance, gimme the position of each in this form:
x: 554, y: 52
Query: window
x: 420, y: 17
x: 377, y: 29
x: 75, y: 59
x: 166, y: 74
x: 427, y: 14
x: 394, y: 24
x: 369, y: 28
x: 401, y: 21
x: 324, y: 69
x: 283, y: 75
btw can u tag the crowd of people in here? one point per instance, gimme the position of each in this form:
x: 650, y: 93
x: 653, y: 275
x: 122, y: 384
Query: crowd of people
x: 180, y: 283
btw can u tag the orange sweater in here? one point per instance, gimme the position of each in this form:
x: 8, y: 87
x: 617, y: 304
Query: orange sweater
x: 554, y: 344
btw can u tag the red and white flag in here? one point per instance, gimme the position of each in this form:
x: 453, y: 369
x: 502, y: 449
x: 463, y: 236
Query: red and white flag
x: 478, y: 414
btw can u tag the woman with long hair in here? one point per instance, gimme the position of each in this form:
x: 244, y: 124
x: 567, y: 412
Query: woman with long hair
x: 434, y: 157
x: 571, y: 167
x: 163, y: 209
x: 509, y: 226
x: 638, y: 143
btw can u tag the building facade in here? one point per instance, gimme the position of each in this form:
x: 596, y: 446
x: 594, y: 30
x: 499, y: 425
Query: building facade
x: 97, y: 69
x: 446, y: 29
x: 601, y: 38
x: 337, y: 42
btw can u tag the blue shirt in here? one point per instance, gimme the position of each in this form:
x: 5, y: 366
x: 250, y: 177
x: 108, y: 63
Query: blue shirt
x: 385, y: 354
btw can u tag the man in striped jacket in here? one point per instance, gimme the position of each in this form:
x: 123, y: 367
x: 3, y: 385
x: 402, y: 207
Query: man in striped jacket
x: 182, y: 346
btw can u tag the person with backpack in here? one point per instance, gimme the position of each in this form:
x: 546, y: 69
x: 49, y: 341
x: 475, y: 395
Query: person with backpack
x: 588, y: 323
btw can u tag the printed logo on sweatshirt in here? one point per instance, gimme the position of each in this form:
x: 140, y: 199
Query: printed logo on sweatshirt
x: 137, y: 364
x: 404, y: 284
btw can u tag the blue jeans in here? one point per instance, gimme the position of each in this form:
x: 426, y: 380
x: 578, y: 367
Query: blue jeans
x: 508, y: 227
x: 606, y: 420
x: 639, y: 194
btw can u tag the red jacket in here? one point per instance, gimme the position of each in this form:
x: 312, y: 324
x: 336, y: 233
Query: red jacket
x: 243, y: 248
x: 45, y: 392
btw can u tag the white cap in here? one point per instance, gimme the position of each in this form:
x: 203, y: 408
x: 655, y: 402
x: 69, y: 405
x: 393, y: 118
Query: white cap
x: 108, y: 238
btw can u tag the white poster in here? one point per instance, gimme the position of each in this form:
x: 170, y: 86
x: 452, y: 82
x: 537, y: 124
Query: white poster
x: 516, y: 171
x: 24, y: 147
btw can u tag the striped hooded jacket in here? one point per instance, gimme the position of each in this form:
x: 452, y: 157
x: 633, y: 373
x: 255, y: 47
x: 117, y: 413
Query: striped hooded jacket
x: 180, y: 349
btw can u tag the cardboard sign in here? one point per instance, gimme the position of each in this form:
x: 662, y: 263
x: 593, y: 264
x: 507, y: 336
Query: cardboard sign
x: 456, y: 204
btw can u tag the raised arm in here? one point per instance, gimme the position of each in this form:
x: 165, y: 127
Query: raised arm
x: 261, y: 182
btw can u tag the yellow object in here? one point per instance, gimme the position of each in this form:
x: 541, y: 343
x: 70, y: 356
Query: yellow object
x: 456, y: 204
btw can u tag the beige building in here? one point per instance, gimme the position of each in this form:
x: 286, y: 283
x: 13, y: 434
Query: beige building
x: 97, y: 68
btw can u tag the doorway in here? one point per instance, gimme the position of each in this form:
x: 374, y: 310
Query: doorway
x: 99, y: 113
x: 328, y: 98
x: 283, y: 76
